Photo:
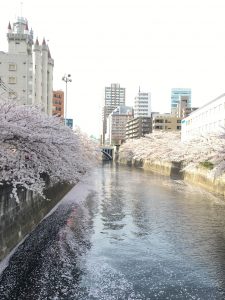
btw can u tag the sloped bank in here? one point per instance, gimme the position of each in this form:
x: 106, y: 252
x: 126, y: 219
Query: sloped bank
x: 199, y: 176
x: 19, y: 219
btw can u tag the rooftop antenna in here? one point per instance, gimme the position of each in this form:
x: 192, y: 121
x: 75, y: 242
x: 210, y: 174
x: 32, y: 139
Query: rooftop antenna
x: 21, y: 9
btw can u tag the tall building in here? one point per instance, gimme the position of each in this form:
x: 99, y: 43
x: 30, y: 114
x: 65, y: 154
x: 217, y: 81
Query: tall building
x: 142, y: 104
x: 116, y: 127
x: 58, y: 103
x: 179, y: 95
x: 27, y: 70
x: 114, y: 96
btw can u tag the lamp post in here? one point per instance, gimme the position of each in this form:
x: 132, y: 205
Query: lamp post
x: 66, y: 78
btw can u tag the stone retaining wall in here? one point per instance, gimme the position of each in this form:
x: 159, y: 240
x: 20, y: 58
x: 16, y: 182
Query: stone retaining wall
x: 19, y: 219
x: 199, y: 176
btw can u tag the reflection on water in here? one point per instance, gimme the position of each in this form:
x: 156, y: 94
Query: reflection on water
x: 112, y: 202
x: 124, y: 234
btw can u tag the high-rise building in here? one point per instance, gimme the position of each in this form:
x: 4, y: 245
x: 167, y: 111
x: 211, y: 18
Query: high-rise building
x: 114, y: 96
x: 58, y: 103
x: 25, y: 69
x: 179, y: 95
x: 142, y: 104
x: 116, y: 127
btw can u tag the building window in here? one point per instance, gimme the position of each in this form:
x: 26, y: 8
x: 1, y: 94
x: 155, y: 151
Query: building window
x: 12, y: 95
x: 178, y: 127
x: 12, y: 67
x: 178, y: 121
x: 12, y: 80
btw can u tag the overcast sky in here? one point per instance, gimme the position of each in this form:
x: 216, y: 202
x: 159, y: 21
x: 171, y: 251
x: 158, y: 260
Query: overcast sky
x: 157, y: 44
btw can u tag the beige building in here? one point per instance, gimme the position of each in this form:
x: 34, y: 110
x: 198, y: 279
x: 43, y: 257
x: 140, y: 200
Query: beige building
x: 116, y: 127
x: 166, y: 122
x: 27, y: 70
x: 183, y: 110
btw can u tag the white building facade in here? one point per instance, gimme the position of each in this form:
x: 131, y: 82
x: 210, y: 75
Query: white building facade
x: 25, y: 69
x: 210, y: 118
x: 142, y: 104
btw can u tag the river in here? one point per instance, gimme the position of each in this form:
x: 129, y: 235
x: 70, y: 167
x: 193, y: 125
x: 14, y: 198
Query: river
x: 124, y: 233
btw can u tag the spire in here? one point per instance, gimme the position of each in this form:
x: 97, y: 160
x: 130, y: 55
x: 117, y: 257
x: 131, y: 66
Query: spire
x: 44, y: 46
x: 9, y: 26
x: 31, y: 33
x: 26, y: 27
x: 49, y: 54
x: 37, y: 42
x: 139, y: 89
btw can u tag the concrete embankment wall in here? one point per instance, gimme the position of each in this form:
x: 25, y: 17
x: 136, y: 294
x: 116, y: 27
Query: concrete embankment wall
x: 199, y: 176
x: 19, y: 219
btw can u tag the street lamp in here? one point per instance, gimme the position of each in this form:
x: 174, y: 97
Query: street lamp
x: 66, y: 78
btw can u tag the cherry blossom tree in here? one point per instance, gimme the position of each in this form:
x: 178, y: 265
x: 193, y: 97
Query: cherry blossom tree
x: 34, y: 146
x: 167, y: 146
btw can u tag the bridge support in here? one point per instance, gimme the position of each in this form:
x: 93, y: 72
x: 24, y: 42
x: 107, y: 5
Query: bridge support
x: 107, y: 153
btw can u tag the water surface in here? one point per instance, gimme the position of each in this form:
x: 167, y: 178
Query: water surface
x: 124, y: 233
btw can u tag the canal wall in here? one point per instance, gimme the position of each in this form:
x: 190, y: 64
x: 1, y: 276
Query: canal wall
x: 199, y: 176
x: 19, y: 219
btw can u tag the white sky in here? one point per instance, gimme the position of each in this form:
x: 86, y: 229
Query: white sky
x: 157, y: 44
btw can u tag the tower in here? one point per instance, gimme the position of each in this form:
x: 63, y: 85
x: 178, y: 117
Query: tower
x: 27, y: 69
x: 50, y: 83
x: 38, y: 74
x: 20, y: 40
x: 44, y: 50
x: 17, y: 64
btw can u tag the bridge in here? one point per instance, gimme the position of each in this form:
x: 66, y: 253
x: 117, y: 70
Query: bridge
x: 110, y: 152
x: 107, y: 152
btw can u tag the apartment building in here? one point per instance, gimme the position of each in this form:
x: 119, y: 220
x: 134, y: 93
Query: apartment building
x: 166, y: 122
x: 138, y: 127
x: 58, y: 103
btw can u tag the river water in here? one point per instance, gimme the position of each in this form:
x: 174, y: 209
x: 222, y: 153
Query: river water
x: 124, y: 233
